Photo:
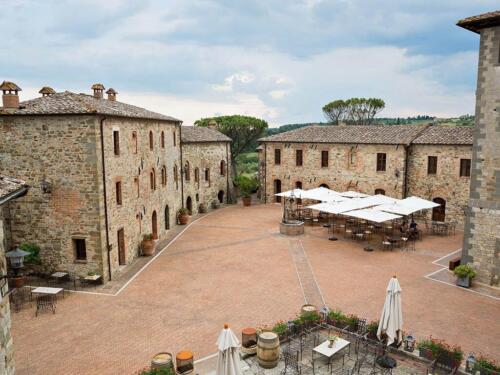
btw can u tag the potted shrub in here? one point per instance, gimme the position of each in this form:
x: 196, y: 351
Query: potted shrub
x: 352, y: 322
x: 281, y: 329
x: 446, y: 355
x: 486, y: 366
x: 464, y: 273
x: 246, y: 185
x: 148, y: 245
x: 183, y: 216
x: 371, y: 330
x: 309, y: 318
x: 337, y: 318
x: 202, y: 208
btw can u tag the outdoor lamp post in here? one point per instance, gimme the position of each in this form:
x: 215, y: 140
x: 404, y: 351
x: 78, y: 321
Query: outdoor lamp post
x: 470, y: 363
x: 323, y: 313
x: 409, y: 343
x: 16, y: 259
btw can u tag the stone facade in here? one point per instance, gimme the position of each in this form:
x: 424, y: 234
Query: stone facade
x: 446, y: 183
x: 482, y: 227
x: 198, y: 158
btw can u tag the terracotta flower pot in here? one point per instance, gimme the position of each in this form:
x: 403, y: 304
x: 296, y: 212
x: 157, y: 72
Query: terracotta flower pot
x: 183, y: 219
x: 247, y: 201
x: 148, y: 247
x: 18, y: 281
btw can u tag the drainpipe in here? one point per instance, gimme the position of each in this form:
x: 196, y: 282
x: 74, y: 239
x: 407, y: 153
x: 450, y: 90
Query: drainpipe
x: 265, y: 172
x: 106, y: 222
x: 182, y: 166
x: 405, y: 177
x: 227, y: 173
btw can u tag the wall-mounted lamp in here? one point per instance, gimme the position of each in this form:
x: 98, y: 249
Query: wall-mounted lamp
x: 45, y: 186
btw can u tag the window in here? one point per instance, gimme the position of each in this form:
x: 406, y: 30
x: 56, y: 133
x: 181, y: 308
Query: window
x: 187, y: 171
x: 324, y: 159
x: 151, y: 143
x: 80, y: 249
x: 379, y: 191
x: 134, y: 142
x: 196, y: 175
x: 381, y: 158
x: 163, y: 176
x: 136, y: 183
x: 464, y: 167
x: 222, y: 168
x: 207, y: 175
x: 298, y: 158
x: 116, y: 142
x: 176, y: 178
x: 277, y: 156
x: 152, y: 179
x: 197, y: 196
x: 175, y: 140
x: 432, y: 164
x: 352, y: 157
x: 162, y: 139
x: 118, y: 186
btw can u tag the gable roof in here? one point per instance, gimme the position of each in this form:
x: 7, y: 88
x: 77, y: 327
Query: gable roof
x: 69, y: 103
x: 11, y: 188
x: 199, y: 134
x: 446, y: 135
x: 368, y: 134
x: 481, y: 21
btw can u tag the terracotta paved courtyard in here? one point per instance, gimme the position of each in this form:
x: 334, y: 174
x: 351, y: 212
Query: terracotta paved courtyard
x: 233, y: 266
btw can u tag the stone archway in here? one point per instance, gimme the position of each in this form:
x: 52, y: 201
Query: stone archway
x: 220, y: 196
x: 189, y: 205
x: 154, y: 225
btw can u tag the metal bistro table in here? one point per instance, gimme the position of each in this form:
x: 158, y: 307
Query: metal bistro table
x: 45, y: 290
x: 338, y: 345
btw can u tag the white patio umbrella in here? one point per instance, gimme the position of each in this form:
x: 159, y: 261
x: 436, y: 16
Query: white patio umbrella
x: 322, y: 194
x: 391, y: 320
x: 296, y: 193
x: 228, y: 361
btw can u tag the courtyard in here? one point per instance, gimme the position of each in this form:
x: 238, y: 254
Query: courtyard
x: 233, y: 266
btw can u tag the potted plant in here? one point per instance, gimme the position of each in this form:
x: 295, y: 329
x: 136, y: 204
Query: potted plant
x: 332, y: 339
x: 371, y: 330
x: 446, y: 355
x: 337, y: 318
x: 183, y: 216
x: 246, y: 185
x: 202, y: 208
x: 486, y: 366
x: 148, y: 245
x: 464, y: 273
x: 281, y: 329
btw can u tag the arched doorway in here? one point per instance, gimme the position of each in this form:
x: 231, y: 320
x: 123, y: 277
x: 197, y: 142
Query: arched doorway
x: 154, y: 225
x: 189, y: 205
x: 167, y: 217
x: 439, y: 213
x: 277, y: 190
x: 221, y: 196
x: 379, y: 191
x: 325, y: 186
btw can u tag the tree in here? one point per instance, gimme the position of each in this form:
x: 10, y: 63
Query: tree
x: 358, y: 111
x: 243, y: 130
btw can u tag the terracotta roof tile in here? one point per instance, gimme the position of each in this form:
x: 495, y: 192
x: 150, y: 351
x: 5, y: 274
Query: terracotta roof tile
x: 446, y: 135
x: 9, y: 186
x: 66, y: 103
x: 195, y: 134
x: 476, y: 23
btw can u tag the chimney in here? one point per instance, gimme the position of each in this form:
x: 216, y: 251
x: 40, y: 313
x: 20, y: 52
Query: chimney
x: 98, y: 90
x: 111, y: 95
x: 212, y: 124
x: 47, y: 91
x: 10, y: 98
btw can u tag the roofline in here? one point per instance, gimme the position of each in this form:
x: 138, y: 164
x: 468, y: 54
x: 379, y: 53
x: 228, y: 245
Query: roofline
x: 177, y: 121
x: 476, y: 25
x: 15, y: 194
x: 228, y: 141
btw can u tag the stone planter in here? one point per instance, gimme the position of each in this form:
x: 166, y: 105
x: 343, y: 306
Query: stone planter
x: 18, y: 281
x: 464, y: 282
x: 148, y: 247
x: 183, y: 219
x: 247, y: 201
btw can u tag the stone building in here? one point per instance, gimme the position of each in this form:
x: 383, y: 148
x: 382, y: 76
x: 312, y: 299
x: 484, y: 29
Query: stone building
x: 206, y: 156
x: 107, y: 173
x: 10, y: 189
x: 397, y: 161
x: 482, y: 228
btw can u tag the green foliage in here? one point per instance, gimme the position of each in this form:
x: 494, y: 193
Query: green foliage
x: 280, y: 328
x: 246, y: 185
x: 182, y: 211
x: 439, y: 349
x: 147, y: 237
x: 337, y: 315
x: 465, y: 270
x: 34, y: 250
x: 309, y: 317
x: 243, y: 130
x: 486, y: 364
x: 359, y: 111
x: 372, y: 327
x: 335, y: 111
x: 247, y: 163
x: 157, y: 371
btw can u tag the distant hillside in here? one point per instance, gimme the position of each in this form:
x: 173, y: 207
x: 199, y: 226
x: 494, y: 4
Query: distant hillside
x: 466, y: 120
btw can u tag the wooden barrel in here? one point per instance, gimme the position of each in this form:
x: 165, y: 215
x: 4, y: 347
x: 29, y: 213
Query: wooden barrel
x: 162, y: 360
x: 184, y: 361
x: 268, y: 349
x: 308, y: 309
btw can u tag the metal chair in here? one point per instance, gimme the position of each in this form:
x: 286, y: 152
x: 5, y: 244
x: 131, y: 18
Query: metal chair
x: 19, y: 297
x: 45, y: 302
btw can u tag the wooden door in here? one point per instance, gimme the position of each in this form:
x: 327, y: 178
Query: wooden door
x: 154, y: 226
x: 439, y: 213
x: 121, y: 247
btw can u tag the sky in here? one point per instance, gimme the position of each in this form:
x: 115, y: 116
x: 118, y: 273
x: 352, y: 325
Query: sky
x: 274, y: 59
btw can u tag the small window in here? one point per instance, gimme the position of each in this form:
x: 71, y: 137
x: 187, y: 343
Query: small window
x: 116, y: 142
x: 137, y: 189
x: 464, y: 167
x: 324, y: 159
x: 432, y: 163
x: 134, y: 142
x: 119, y: 193
x: 164, y: 176
x: 277, y: 156
x: 196, y: 175
x: 381, y: 160
x: 175, y: 138
x: 151, y: 143
x: 379, y: 191
x: 162, y: 139
x: 80, y: 249
x: 152, y: 179
x: 298, y: 158
x: 197, y: 197
x: 222, y: 168
x: 352, y: 157
x: 207, y: 174
x: 187, y: 171
x: 176, y: 178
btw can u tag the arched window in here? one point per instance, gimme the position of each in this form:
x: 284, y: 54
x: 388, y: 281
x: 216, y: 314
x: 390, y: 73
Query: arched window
x: 175, y: 139
x: 162, y: 139
x: 325, y: 186
x: 152, y: 179
x: 137, y: 188
x: 379, y: 191
x: 163, y: 176
x: 154, y: 225
x: 151, y: 140
x: 167, y: 217
x: 187, y: 171
x: 223, y: 167
x: 207, y: 174
x: 134, y: 142
x: 176, y: 177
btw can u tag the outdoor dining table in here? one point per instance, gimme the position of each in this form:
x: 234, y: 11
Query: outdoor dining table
x: 338, y: 345
x: 47, y: 291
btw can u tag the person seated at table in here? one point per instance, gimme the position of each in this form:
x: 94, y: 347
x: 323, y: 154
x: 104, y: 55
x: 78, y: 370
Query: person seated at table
x: 413, y: 226
x: 403, y: 229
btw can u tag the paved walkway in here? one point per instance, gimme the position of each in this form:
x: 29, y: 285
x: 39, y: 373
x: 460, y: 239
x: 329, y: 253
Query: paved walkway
x: 233, y: 266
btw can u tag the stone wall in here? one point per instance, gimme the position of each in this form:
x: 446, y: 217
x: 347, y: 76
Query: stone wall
x: 6, y: 348
x: 446, y: 183
x: 482, y: 227
x: 202, y: 156
x: 350, y: 166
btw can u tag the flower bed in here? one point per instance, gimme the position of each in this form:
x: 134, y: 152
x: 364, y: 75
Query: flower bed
x: 486, y: 366
x: 447, y: 356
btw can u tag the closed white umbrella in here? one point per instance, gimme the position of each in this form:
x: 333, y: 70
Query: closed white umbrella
x: 297, y: 193
x: 228, y: 361
x: 391, y: 320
